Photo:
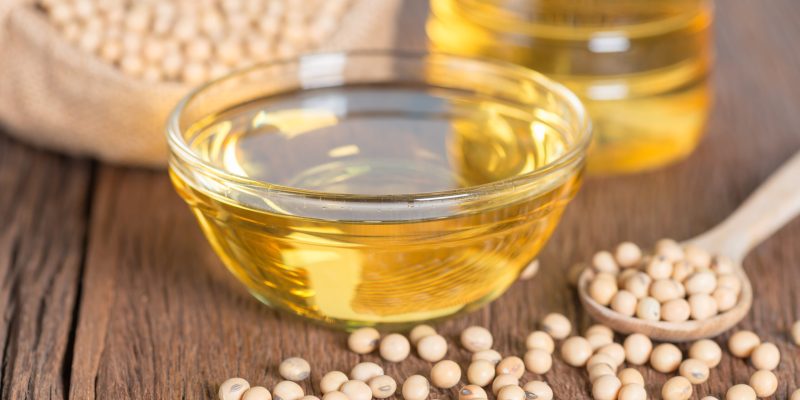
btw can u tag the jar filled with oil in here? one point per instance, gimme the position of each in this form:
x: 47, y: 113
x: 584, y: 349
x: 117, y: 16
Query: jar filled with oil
x: 378, y: 189
x: 640, y: 66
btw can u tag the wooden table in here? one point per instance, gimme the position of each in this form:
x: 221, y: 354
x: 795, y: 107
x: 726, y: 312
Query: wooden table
x: 108, y: 290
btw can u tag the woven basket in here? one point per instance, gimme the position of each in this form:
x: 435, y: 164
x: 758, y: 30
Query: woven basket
x: 56, y: 96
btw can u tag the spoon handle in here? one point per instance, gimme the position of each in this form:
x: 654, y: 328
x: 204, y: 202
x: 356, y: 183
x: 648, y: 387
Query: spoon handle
x: 772, y: 205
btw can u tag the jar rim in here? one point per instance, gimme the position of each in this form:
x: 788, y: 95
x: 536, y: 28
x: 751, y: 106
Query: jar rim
x: 503, y: 23
x: 180, y: 149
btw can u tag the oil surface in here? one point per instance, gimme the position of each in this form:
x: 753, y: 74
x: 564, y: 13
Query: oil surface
x: 640, y: 67
x: 337, y: 268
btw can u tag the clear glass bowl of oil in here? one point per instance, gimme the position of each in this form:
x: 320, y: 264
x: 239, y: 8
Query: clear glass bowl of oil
x: 640, y: 66
x: 376, y: 188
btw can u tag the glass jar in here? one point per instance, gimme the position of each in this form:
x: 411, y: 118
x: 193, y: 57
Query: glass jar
x: 640, y: 66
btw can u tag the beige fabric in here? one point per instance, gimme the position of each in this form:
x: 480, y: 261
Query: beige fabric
x: 56, y: 96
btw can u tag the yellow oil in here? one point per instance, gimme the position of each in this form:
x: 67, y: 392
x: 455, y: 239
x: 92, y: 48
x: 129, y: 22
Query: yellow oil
x: 640, y: 67
x: 333, y: 266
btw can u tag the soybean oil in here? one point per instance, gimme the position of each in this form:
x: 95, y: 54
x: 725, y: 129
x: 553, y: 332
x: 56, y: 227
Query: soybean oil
x: 349, y: 271
x: 640, y: 66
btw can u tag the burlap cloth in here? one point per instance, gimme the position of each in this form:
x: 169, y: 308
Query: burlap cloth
x: 56, y: 96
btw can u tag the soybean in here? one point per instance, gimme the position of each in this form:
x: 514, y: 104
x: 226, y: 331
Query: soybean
x: 638, y: 284
x: 576, y: 351
x: 659, y: 268
x: 703, y: 306
x: 233, y: 389
x: 742, y: 343
x: 648, y: 309
x: 677, y: 388
x: 630, y: 376
x: 638, y: 348
x: 491, y: 356
x: 419, y: 332
x: 669, y: 249
x: 627, y: 254
x: 332, y: 381
x: 364, y: 340
x: 394, y: 347
x: 432, y: 348
x: 288, y: 390
x: 707, y: 351
x: 682, y: 270
x: 766, y: 356
x: 539, y: 390
x: 632, y: 392
x: 557, y: 326
x: 540, y: 340
x: 538, y: 361
x: 512, y: 365
x: 364, y: 371
x: 603, y: 261
x: 501, y: 381
x: 602, y: 359
x: 445, y: 374
x: 677, y: 310
x: 511, y: 392
x: 480, y: 372
x: 257, y: 393
x: 357, y: 390
x: 701, y: 282
x: 615, y: 351
x: 599, y: 336
x: 740, y: 392
x: 602, y: 289
x: 476, y: 338
x: 472, y: 392
x: 606, y: 387
x: 665, y: 290
x: 335, y: 395
x: 294, y: 369
x: 665, y: 358
x: 764, y: 383
x: 695, y: 371
x: 599, y: 370
x: 730, y: 282
x: 530, y: 271
x: 726, y: 298
x: 796, y: 333
x: 382, y: 386
x: 416, y: 387
x: 624, y: 302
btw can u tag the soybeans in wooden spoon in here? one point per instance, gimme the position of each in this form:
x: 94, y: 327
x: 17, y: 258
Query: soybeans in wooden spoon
x: 771, y: 206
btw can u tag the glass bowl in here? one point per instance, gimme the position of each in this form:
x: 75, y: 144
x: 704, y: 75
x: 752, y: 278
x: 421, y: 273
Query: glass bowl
x: 378, y: 188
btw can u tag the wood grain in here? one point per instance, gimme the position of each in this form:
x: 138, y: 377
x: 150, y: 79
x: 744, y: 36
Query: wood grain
x: 43, y: 210
x: 158, y: 316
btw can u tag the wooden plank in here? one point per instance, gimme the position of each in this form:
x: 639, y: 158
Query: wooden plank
x: 160, y: 303
x: 160, y: 318
x: 43, y: 207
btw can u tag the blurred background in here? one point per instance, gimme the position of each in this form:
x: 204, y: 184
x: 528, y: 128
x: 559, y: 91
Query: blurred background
x: 99, y: 77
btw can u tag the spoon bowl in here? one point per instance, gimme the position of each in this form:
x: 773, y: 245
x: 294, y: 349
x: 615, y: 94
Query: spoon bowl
x: 664, y: 330
x: 771, y: 206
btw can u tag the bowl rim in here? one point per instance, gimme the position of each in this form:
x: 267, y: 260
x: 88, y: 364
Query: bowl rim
x: 577, y: 150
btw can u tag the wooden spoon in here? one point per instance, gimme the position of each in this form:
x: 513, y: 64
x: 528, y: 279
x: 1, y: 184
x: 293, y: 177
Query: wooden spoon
x: 771, y: 206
